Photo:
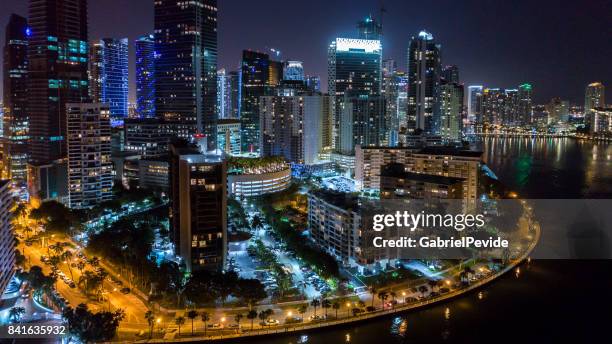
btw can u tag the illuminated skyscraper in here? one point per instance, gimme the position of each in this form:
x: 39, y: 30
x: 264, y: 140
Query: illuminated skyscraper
x: 525, y: 104
x: 255, y: 76
x: 186, y: 70
x: 594, y: 96
x: 293, y: 70
x: 355, y: 69
x: 15, y: 119
x: 369, y: 28
x: 450, y: 107
x: 57, y: 72
x: 450, y: 74
x: 423, y: 81
x: 108, y: 72
x: 7, y: 235
x: 145, y: 76
x: 474, y: 103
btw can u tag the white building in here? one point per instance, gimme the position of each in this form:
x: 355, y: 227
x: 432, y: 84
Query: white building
x: 90, y: 179
x: 7, y: 241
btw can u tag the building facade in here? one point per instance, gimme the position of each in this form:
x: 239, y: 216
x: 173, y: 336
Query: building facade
x: 228, y: 136
x: 90, y: 178
x: 594, y: 96
x: 255, y: 71
x: 450, y: 108
x: 397, y: 183
x: 362, y: 122
x: 15, y: 119
x: 145, y: 76
x: 7, y: 237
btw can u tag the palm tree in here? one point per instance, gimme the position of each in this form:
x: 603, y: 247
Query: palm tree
x: 326, y: 304
x: 80, y: 266
x: 151, y: 321
x: 336, y: 307
x: 360, y: 304
x: 432, y: 284
x: 237, y: 318
x: 251, y: 315
x: 205, y: 317
x: 67, y: 256
x: 16, y: 313
x: 373, y: 291
x: 383, y: 295
x: 302, y: 309
x: 263, y: 315
x: 423, y: 289
x: 179, y: 322
x: 315, y: 303
x: 393, y: 296
x: 192, y: 314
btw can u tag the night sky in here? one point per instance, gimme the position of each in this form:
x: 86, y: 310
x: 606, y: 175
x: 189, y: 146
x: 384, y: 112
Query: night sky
x: 558, y: 46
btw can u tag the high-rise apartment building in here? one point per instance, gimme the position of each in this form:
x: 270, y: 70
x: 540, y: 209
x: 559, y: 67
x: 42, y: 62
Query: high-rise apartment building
x: 525, y: 104
x: 450, y: 108
x: 370, y: 28
x: 228, y: 135
x: 15, y: 120
x: 450, y: 74
x: 362, y: 122
x: 594, y: 96
x: 108, y: 73
x: 198, y: 185
x: 474, y: 104
x: 7, y: 237
x: 145, y: 76
x: 186, y: 69
x: 254, y: 84
x: 293, y: 70
x: 423, y: 80
x: 57, y: 72
x: 90, y: 179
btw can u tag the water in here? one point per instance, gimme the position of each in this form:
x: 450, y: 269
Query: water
x: 549, y: 301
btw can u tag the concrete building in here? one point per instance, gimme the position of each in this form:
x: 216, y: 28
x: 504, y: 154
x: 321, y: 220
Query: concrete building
x: 7, y: 239
x: 153, y: 174
x: 594, y: 96
x: 601, y: 120
x: 396, y: 182
x: 90, y: 179
x: 248, y: 177
x: 228, y: 135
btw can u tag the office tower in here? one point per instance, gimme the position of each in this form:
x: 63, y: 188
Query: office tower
x: 354, y: 65
x: 224, y: 93
x: 474, y: 103
x: 558, y: 111
x: 292, y: 127
x: 228, y: 135
x: 450, y: 74
x: 394, y: 90
x: 7, y: 237
x: 450, y: 107
x: 423, y: 81
x: 594, y: 96
x: 402, y: 100
x: 389, y: 67
x: 235, y: 84
x: 313, y: 83
x: 108, y: 71
x: 255, y: 74
x: 293, y: 70
x: 362, y: 122
x: 90, y: 179
x: 198, y: 185
x: 493, y: 106
x: 600, y: 120
x: 15, y: 121
x: 510, y: 115
x: 186, y: 69
x: 275, y: 73
x: 525, y: 104
x: 145, y: 76
x: 369, y: 28
x: 57, y: 72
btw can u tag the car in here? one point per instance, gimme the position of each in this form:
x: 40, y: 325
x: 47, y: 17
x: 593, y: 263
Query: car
x: 270, y: 322
x: 214, y: 325
x: 444, y: 290
x: 293, y: 320
x: 125, y: 290
x: 235, y: 326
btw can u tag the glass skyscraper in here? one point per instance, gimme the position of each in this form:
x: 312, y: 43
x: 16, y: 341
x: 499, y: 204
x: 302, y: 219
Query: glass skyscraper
x: 108, y: 71
x: 293, y: 70
x: 15, y: 119
x: 145, y: 76
x: 255, y: 83
x: 57, y: 72
x: 186, y: 69
x: 355, y: 70
x: 423, y: 81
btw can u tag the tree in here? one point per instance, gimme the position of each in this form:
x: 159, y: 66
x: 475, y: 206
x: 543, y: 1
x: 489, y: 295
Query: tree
x: 251, y: 315
x: 336, y: 307
x: 179, y: 321
x: 237, y: 318
x: 326, y: 304
x: 205, y: 317
x: 80, y: 266
x: 423, y: 289
x: 192, y: 314
x: 15, y: 313
x: 315, y: 303
x: 393, y: 296
x: 382, y: 296
x: 256, y: 222
x: 250, y: 291
x: 92, y: 327
x: 373, y: 291
x: 432, y: 284
x: 356, y: 311
x: 151, y: 321
x: 263, y: 316
x: 302, y: 309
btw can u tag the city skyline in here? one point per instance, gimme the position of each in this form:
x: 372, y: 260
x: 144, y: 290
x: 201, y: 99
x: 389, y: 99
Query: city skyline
x: 534, y: 51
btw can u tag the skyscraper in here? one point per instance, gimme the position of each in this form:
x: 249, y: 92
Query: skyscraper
x: 450, y: 107
x: 450, y: 74
x: 199, y: 207
x: 108, y: 71
x: 145, y: 76
x: 57, y: 72
x: 493, y: 106
x: 90, y: 178
x: 255, y: 76
x: 7, y: 236
x: 355, y: 68
x: 594, y: 96
x: 369, y: 28
x: 362, y: 122
x: 234, y: 81
x: 186, y: 70
x: 423, y: 81
x: 525, y: 105
x: 15, y: 119
x: 293, y: 70
x: 223, y: 93
x: 474, y: 103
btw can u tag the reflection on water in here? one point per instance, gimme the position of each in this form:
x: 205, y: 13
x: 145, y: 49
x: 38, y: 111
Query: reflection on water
x: 551, y: 167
